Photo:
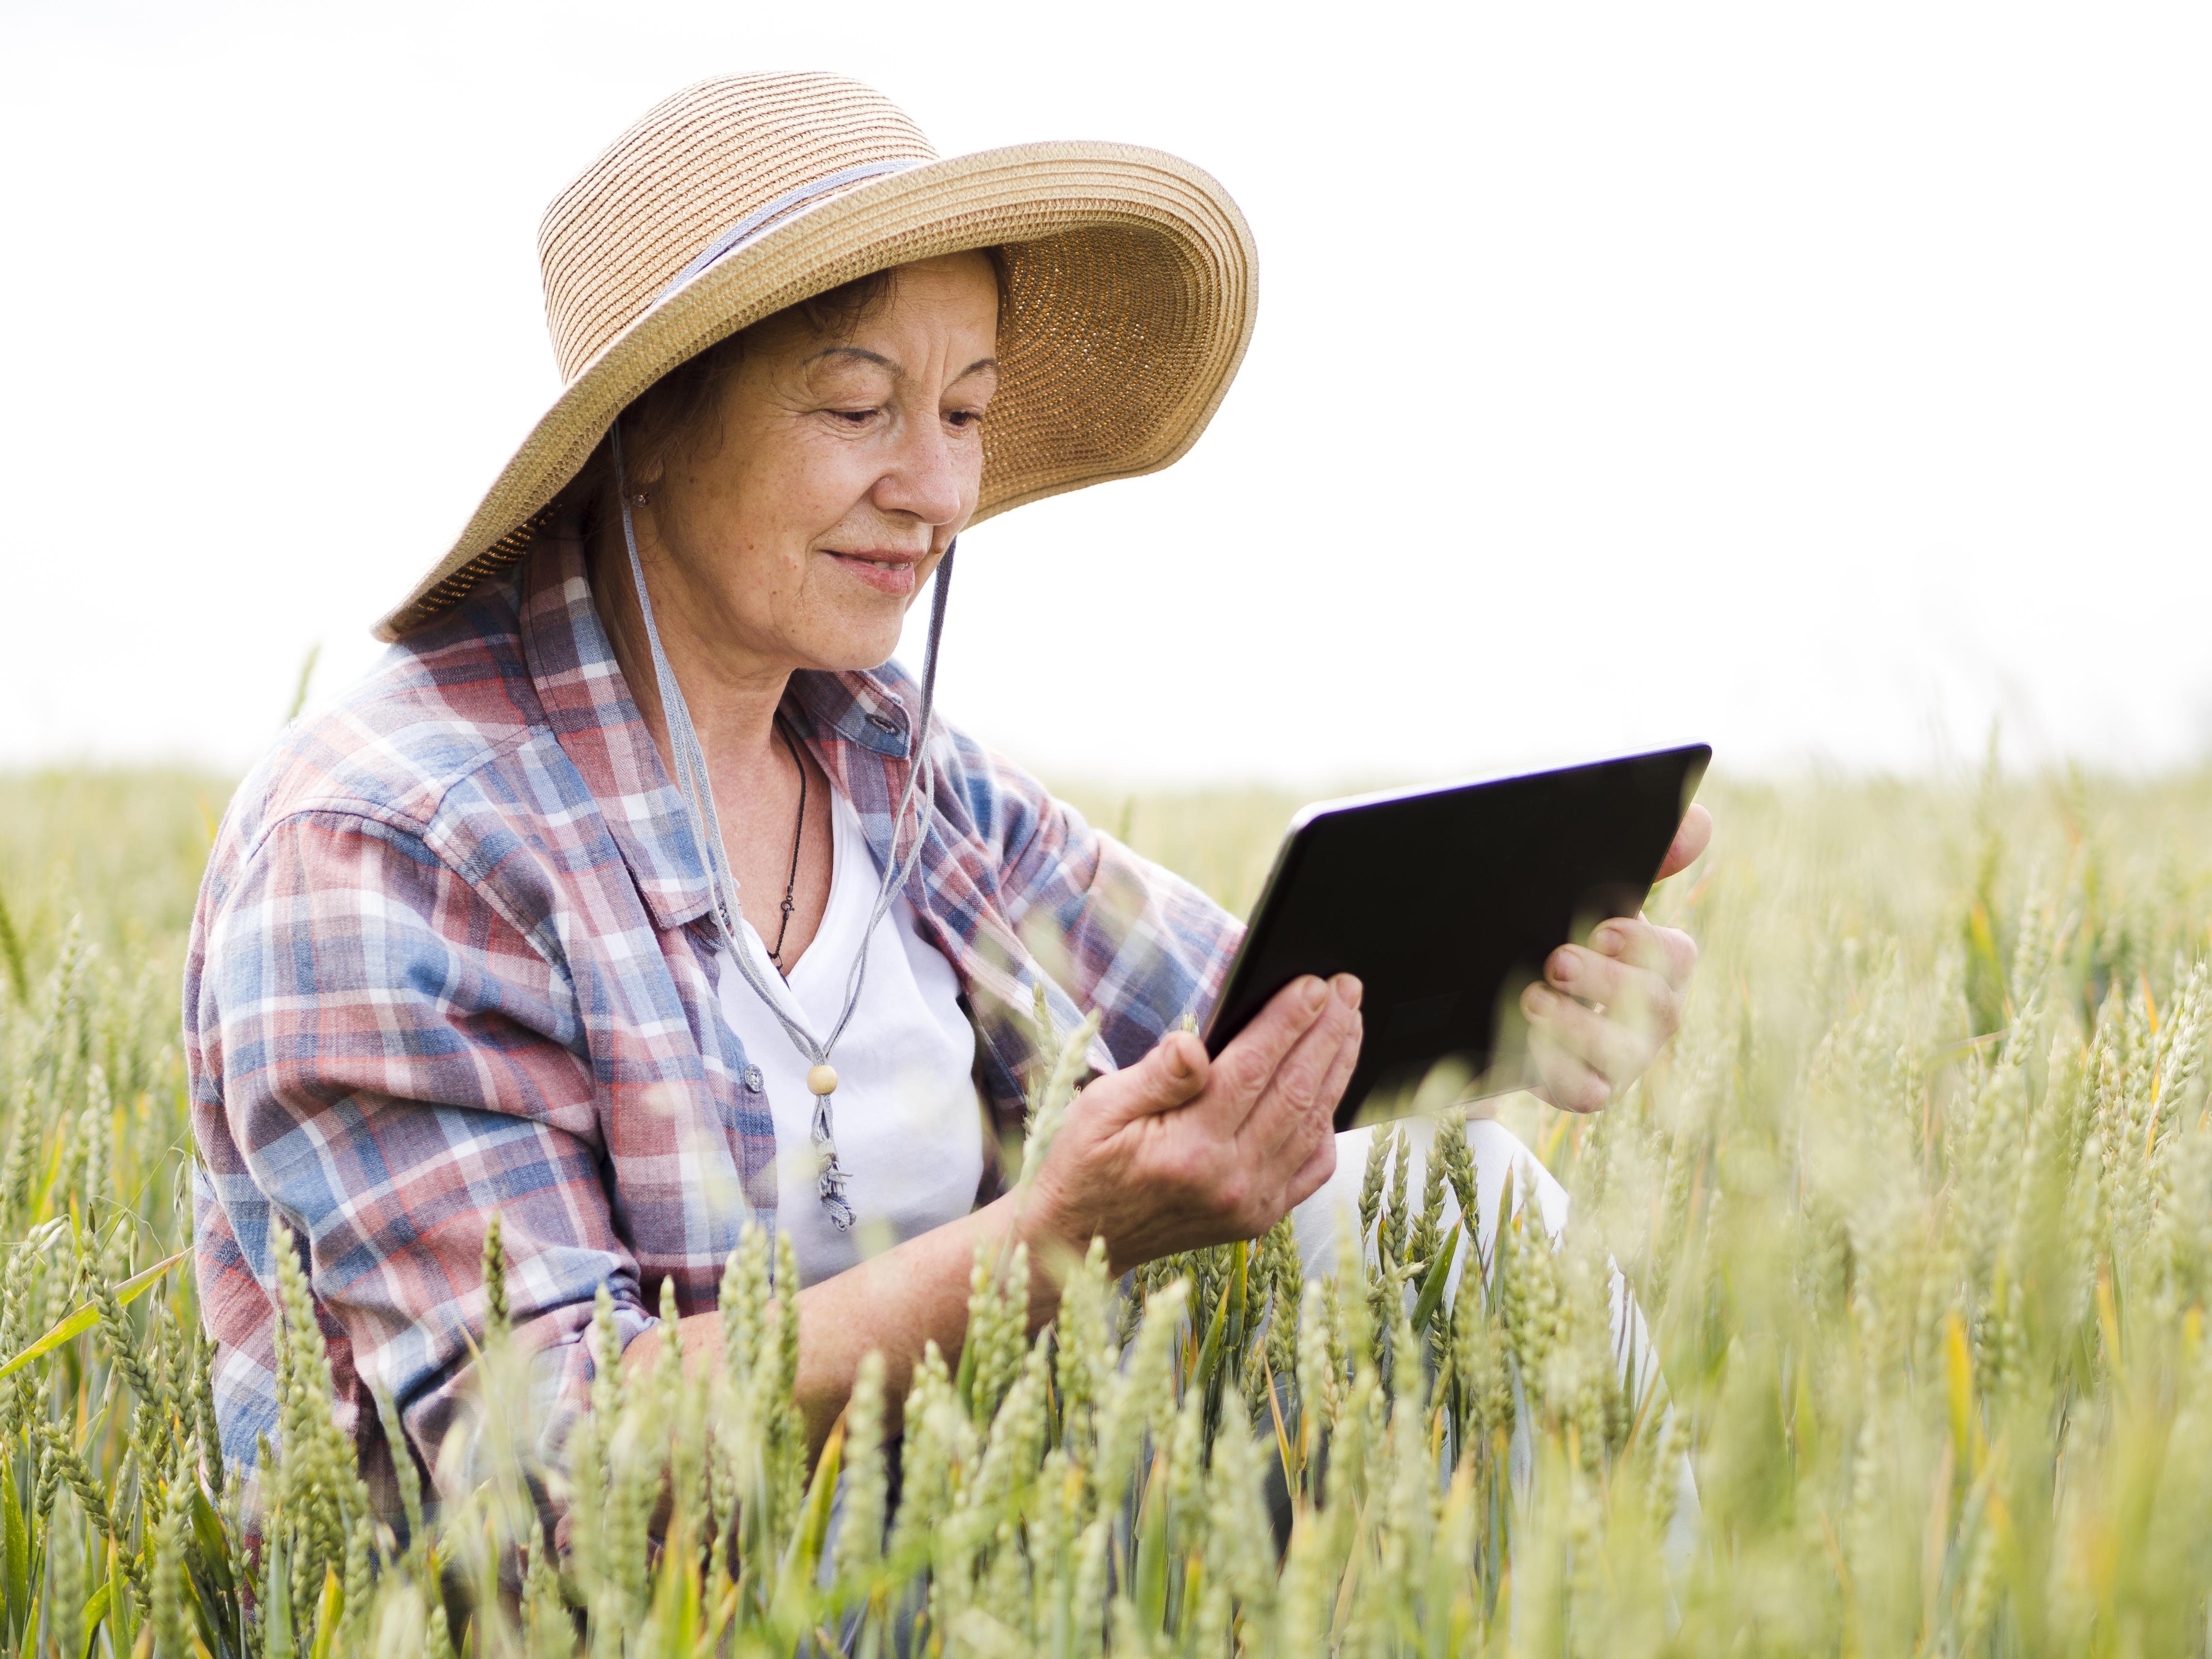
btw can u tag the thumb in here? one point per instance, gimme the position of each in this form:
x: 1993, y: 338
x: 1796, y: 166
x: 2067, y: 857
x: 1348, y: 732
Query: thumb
x: 1691, y: 841
x: 1171, y: 1075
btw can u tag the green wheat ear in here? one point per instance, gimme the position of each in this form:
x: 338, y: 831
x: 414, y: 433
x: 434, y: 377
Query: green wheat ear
x: 304, y: 682
x: 12, y: 956
x: 496, y: 1317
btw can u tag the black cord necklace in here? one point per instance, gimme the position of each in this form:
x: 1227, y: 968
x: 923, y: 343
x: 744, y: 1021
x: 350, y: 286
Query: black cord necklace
x: 798, y: 836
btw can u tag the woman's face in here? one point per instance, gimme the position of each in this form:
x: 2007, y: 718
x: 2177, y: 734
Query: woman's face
x: 802, y: 518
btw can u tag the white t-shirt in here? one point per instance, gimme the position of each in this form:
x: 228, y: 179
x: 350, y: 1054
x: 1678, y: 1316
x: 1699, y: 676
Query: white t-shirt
x: 908, y: 1125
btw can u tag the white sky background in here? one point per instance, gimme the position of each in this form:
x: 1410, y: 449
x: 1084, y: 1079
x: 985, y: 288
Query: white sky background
x: 1823, y: 381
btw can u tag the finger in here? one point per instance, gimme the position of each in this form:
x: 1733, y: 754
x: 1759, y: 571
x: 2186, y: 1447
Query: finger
x: 1566, y: 1082
x: 1293, y: 1094
x: 1173, y: 1075
x: 1313, y: 1175
x: 1299, y: 1127
x: 1238, y: 1095
x: 1690, y: 840
x: 1242, y: 1070
x: 1633, y: 996
x: 1667, y: 951
x: 1615, y: 1051
x: 1339, y: 1075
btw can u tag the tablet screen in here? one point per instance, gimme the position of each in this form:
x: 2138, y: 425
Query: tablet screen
x: 1446, y: 900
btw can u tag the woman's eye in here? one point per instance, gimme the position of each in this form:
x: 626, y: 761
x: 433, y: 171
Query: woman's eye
x: 964, y: 418
x: 853, y: 416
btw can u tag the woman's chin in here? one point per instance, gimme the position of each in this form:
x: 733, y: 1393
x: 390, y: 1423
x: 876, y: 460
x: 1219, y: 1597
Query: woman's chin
x: 861, y: 652
x: 844, y: 633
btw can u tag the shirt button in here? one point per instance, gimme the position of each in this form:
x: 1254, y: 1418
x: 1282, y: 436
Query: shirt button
x: 753, y: 1079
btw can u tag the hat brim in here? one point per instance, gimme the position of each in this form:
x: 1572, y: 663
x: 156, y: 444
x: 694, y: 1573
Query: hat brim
x: 1132, y: 279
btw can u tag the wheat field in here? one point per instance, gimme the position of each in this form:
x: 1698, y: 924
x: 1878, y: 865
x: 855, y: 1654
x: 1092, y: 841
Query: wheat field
x: 1918, y: 1209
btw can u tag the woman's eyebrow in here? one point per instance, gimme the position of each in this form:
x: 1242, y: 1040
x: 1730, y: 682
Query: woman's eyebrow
x: 861, y: 352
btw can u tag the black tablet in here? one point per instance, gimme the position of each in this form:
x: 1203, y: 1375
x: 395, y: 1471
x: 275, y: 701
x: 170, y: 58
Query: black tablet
x: 1445, y: 902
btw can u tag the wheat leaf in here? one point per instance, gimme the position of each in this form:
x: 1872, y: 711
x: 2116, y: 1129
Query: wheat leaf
x: 88, y: 1316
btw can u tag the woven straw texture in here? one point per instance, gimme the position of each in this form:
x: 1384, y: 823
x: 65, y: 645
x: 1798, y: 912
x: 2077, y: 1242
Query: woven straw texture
x: 1131, y: 278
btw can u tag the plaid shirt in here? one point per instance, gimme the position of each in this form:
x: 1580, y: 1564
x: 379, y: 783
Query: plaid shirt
x: 452, y: 956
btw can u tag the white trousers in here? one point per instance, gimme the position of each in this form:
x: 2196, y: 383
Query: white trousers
x: 1332, y: 1215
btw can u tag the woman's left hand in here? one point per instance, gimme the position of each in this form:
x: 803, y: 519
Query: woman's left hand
x: 1604, y: 1011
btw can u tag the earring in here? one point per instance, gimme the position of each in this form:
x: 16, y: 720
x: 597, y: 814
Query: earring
x: 640, y: 499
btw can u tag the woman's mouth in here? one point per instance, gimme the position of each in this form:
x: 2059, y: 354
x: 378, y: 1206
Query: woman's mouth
x: 887, y: 572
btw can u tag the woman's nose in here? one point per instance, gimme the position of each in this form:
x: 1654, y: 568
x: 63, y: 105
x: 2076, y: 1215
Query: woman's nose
x: 929, y: 476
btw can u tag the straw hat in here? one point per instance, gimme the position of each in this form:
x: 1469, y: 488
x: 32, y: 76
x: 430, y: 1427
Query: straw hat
x: 1130, y: 275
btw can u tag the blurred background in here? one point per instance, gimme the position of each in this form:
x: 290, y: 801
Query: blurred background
x: 1831, y: 383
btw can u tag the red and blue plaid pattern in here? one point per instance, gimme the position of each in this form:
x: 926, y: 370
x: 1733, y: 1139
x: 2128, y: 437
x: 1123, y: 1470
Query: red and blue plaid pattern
x: 451, y: 957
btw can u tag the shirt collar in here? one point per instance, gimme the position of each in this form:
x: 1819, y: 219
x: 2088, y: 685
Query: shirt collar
x: 857, y: 707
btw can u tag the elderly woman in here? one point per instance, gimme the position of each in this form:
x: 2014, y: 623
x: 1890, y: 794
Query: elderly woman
x: 635, y: 896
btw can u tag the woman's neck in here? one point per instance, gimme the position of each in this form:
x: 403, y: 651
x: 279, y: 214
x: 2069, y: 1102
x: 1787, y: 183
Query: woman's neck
x: 776, y: 832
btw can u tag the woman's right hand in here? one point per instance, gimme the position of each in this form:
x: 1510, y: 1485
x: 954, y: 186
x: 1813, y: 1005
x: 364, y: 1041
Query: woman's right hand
x: 1179, y: 1151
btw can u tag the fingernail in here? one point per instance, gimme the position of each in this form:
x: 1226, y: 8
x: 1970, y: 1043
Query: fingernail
x: 1349, y: 990
x: 1312, y: 995
x: 1535, y: 1001
x: 1564, y: 965
x: 1609, y: 941
x: 1179, y: 1066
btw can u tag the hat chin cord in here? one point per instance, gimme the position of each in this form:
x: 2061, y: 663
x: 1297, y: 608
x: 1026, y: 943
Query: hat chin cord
x: 698, y: 793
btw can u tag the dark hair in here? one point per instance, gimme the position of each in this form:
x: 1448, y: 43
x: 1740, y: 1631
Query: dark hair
x: 678, y: 402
